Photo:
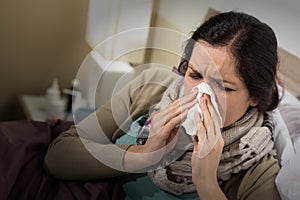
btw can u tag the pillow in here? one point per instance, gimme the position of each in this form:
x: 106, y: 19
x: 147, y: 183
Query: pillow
x: 286, y: 124
x: 289, y: 108
x: 288, y: 178
x: 282, y: 140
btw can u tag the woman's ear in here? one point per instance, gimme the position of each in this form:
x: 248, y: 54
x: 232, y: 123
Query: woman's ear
x: 253, y: 102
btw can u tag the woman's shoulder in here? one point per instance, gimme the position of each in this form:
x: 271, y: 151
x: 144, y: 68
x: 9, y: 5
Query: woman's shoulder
x: 257, y: 182
x: 173, y: 92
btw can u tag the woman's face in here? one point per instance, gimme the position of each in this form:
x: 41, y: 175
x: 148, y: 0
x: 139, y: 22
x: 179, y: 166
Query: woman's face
x: 216, y: 67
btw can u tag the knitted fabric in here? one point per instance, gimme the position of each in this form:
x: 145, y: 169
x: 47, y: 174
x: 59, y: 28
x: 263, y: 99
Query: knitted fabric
x: 246, y: 142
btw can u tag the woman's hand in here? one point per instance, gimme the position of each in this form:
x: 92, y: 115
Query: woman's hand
x: 208, y: 147
x: 162, y: 137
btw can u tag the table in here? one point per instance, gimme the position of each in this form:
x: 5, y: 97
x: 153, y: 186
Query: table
x: 34, y: 107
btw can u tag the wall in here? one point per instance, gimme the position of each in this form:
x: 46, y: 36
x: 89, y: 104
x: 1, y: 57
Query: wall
x: 282, y: 16
x: 113, y: 24
x: 180, y: 16
x: 39, y: 41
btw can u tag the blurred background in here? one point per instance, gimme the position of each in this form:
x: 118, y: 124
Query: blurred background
x: 45, y: 40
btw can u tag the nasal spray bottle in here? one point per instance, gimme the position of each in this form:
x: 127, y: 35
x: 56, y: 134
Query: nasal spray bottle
x: 75, y: 102
x: 55, y: 105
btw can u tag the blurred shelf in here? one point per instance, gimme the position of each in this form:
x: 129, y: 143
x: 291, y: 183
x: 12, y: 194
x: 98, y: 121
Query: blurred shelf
x: 34, y: 107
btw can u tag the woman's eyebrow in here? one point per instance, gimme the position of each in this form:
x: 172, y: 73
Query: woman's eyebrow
x: 192, y: 68
x: 217, y: 80
x: 225, y: 81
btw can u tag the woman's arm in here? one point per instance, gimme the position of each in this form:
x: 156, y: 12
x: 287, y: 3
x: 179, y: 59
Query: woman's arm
x: 86, y: 151
x: 67, y: 158
x: 78, y: 153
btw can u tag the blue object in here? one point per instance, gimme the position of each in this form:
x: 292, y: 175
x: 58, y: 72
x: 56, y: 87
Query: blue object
x: 143, y: 188
x: 82, y: 113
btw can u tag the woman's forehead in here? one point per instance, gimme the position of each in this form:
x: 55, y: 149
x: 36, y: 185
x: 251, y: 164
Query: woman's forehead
x: 210, y: 59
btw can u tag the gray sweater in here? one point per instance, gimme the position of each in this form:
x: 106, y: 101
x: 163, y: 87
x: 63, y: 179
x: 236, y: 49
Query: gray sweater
x: 71, y: 157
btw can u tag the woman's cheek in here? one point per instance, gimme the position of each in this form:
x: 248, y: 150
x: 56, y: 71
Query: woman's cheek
x: 222, y: 104
x: 187, y: 87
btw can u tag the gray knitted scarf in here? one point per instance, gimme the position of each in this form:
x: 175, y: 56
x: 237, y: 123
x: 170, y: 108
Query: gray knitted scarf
x: 246, y: 142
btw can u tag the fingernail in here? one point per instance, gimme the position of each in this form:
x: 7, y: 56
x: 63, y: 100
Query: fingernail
x: 195, y: 91
x: 207, y: 97
x: 195, y: 138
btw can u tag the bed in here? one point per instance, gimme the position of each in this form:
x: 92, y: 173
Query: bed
x: 23, y: 145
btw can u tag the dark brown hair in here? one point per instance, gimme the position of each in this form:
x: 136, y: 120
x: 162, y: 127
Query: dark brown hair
x: 254, y: 47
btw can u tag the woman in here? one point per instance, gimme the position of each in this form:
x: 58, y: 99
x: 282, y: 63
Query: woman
x: 245, y: 50
x: 236, y: 55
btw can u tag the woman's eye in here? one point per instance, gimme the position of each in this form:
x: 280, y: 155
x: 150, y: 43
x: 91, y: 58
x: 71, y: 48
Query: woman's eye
x: 220, y: 85
x: 228, y: 89
x: 195, y: 76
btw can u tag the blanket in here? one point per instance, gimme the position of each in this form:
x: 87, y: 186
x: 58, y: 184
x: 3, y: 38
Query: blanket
x: 23, y: 145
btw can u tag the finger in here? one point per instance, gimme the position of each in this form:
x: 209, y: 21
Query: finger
x: 212, y: 111
x: 180, y: 108
x: 172, y: 140
x: 173, y: 134
x: 184, y: 102
x: 195, y: 141
x: 201, y: 134
x: 166, y: 129
x: 201, y: 130
x: 186, y: 99
x: 213, y: 130
x: 199, y: 104
x: 174, y: 122
x: 177, y: 109
x: 205, y: 112
x: 221, y: 142
x: 157, y: 118
x: 211, y: 124
x: 163, y: 117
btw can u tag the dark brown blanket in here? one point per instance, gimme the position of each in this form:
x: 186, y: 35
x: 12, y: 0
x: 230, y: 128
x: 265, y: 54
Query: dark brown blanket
x: 23, y: 145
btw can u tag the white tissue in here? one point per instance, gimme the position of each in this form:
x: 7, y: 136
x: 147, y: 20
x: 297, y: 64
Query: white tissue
x: 190, y: 124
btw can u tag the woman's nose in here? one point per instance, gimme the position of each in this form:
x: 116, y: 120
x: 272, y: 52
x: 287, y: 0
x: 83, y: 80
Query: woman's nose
x: 198, y: 82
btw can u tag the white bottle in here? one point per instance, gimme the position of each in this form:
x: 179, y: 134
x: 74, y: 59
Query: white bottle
x: 78, y: 100
x: 55, y: 104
